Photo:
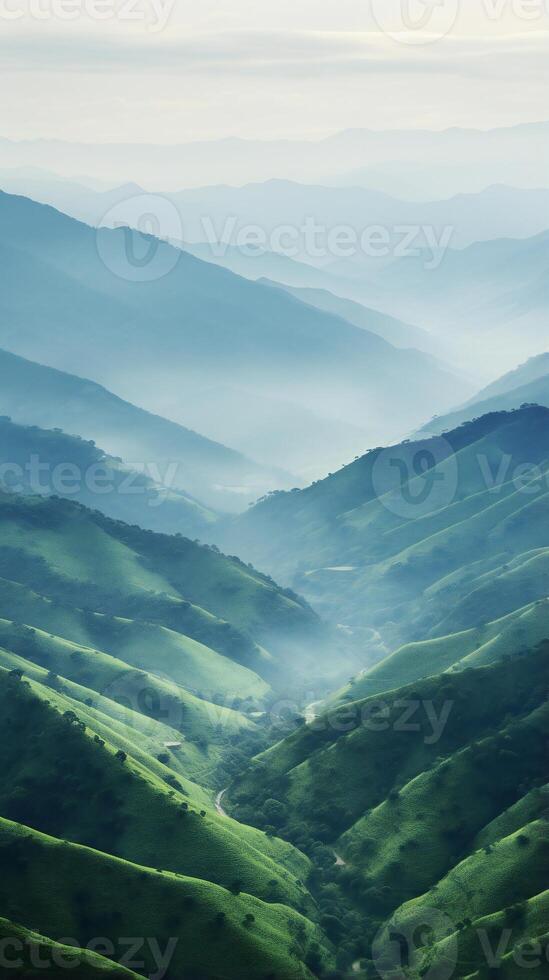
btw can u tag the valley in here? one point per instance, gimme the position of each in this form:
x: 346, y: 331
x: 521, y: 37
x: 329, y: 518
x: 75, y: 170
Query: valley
x: 274, y: 527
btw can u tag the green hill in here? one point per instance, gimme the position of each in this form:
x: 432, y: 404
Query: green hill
x: 44, y: 462
x: 403, y: 535
x: 25, y: 948
x: 431, y: 788
x: 78, y: 558
x: 33, y: 394
x: 136, y: 808
x: 147, y: 850
x: 519, y: 630
x: 91, y: 894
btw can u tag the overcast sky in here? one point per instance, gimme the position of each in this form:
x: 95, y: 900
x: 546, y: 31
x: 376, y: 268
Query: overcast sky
x: 267, y: 68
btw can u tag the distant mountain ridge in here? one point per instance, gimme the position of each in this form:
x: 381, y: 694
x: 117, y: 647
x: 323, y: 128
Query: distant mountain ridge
x: 463, y: 539
x: 526, y: 384
x: 503, y: 154
x: 198, y: 342
x: 33, y: 394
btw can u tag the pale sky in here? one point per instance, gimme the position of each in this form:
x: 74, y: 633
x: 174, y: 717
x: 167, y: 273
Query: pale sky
x: 162, y: 72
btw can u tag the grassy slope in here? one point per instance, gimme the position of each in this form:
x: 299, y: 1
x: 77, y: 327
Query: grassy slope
x: 407, y: 845
x: 93, y: 894
x: 50, y: 764
x: 203, y: 666
x: 519, y: 630
x: 403, y: 572
x: 413, y: 816
x: 28, y: 945
x: 72, y: 467
x: 204, y: 729
x: 521, y: 930
x: 34, y: 394
x: 362, y: 760
x: 80, y: 557
x: 191, y: 665
x: 485, y: 885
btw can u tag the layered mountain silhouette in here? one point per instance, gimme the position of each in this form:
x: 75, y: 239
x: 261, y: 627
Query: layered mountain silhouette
x: 423, y: 538
x: 201, y: 345
x: 32, y: 394
x: 527, y: 384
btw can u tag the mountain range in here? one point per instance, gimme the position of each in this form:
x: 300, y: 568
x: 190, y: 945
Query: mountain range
x: 527, y: 384
x: 315, y: 746
x: 32, y: 394
x: 209, y: 214
x: 77, y: 300
x: 468, y: 158
x: 419, y: 539
x: 486, y: 304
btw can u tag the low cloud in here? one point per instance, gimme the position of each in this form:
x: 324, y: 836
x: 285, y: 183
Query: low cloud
x: 269, y: 52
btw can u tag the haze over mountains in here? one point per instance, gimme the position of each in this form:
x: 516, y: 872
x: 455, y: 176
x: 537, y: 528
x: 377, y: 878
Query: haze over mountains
x: 223, y: 213
x: 527, y: 384
x: 471, y: 159
x: 488, y: 301
x: 199, y: 343
x: 31, y: 394
x: 326, y: 729
x: 400, y: 533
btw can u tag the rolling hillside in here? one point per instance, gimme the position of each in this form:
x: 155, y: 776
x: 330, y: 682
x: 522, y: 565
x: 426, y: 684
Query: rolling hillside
x: 420, y: 539
x: 134, y: 673
x: 437, y: 801
x: 81, y: 559
x: 140, y: 844
x: 45, y: 462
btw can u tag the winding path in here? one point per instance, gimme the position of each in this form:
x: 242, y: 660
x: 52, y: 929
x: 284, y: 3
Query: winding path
x: 219, y: 801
